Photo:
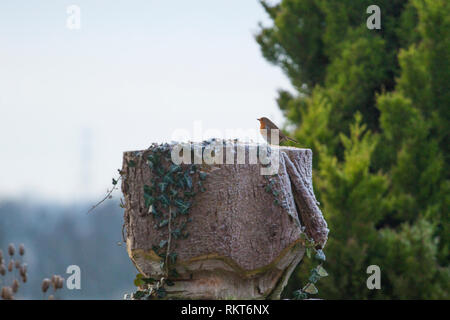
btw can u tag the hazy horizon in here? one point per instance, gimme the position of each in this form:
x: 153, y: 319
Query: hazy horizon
x: 136, y: 71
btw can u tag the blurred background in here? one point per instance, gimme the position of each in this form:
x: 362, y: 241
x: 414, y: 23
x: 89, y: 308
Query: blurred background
x: 84, y: 81
x: 74, y: 98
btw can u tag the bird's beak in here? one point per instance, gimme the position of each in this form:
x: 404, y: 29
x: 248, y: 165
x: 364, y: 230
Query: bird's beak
x: 258, y: 119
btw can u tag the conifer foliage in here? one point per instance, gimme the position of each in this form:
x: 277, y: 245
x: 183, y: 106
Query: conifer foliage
x: 374, y: 105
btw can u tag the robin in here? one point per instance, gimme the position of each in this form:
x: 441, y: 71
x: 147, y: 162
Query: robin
x: 266, y: 130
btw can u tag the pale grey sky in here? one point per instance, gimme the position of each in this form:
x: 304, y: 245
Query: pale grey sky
x: 72, y: 101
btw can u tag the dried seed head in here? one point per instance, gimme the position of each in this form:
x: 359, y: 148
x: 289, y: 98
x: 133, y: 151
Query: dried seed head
x: 7, y: 293
x: 22, y: 249
x: 1, y: 255
x: 2, y: 269
x: 45, y: 285
x: 60, y: 283
x: 51, y: 297
x: 22, y: 271
x: 17, y: 264
x: 54, y: 281
x: 24, y: 278
x: 15, y: 286
x: 11, y: 249
x: 10, y: 265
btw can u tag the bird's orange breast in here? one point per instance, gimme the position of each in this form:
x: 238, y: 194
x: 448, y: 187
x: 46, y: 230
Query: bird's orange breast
x: 263, y: 125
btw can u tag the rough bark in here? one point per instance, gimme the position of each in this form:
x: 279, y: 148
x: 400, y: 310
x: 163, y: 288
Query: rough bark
x: 241, y: 243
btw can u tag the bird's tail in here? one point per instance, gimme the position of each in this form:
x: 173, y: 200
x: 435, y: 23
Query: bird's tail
x: 290, y: 139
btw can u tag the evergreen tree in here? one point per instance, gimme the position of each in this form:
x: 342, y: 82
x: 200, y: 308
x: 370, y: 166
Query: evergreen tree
x: 374, y: 107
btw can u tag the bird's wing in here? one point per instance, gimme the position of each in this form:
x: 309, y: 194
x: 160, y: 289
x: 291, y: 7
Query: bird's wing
x: 272, y: 125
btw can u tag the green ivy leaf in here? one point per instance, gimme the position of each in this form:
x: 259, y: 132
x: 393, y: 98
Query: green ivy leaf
x: 300, y: 295
x: 189, y: 194
x: 320, y: 255
x: 321, y: 271
x: 180, y: 183
x: 314, y: 277
x: 148, y: 190
x: 149, y: 200
x: 154, y: 158
x: 170, y: 283
x: 203, y: 175
x: 138, y: 280
x: 173, y: 257
x: 311, y: 289
x: 163, y: 223
x: 174, y: 168
x: 138, y: 295
x: 308, y: 252
x: 149, y: 280
x: 161, y: 292
x: 188, y: 180
x: 160, y: 171
x: 131, y: 164
x: 164, y: 200
x: 176, y: 233
x: 162, y: 186
x: 168, y: 179
x: 183, y: 206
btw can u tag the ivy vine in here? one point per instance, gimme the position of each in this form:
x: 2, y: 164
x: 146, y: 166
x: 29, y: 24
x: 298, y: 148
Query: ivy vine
x: 168, y: 198
x: 270, y: 188
x: 317, y: 272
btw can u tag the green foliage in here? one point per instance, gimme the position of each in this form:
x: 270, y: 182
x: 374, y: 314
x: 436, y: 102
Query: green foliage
x: 316, y: 273
x: 168, y: 197
x: 353, y: 200
x: 298, y: 25
x: 410, y: 263
x: 373, y: 105
x: 271, y: 188
x: 354, y: 75
x: 315, y: 131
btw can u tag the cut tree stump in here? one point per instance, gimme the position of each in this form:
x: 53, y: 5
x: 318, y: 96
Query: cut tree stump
x: 245, y: 238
